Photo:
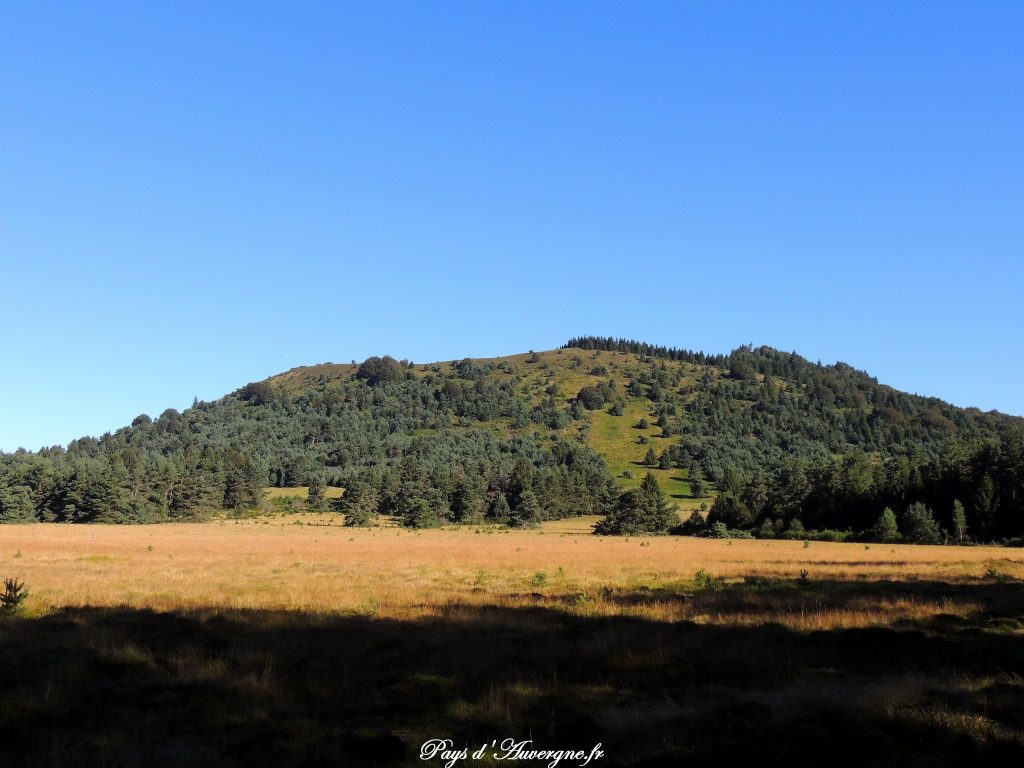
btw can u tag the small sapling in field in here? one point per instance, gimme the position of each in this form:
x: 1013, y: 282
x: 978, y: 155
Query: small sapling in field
x: 13, y: 597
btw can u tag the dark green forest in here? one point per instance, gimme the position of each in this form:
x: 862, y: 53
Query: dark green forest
x: 424, y: 443
x: 796, y: 447
x: 785, y: 446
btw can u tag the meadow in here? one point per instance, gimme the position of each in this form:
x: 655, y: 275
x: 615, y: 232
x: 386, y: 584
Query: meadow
x: 292, y: 640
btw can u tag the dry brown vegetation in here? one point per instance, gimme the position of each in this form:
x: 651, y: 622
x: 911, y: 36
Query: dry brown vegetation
x: 312, y: 563
x: 293, y: 640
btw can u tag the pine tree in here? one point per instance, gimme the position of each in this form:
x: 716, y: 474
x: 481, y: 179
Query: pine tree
x: 729, y: 509
x: 651, y: 458
x: 919, y: 525
x: 418, y: 512
x: 15, y: 503
x: 695, y: 524
x: 659, y: 514
x: 94, y: 496
x: 886, y: 530
x: 527, y: 511
x: 315, y: 499
x: 640, y: 510
x: 985, y: 504
x: 500, y: 511
x: 359, y: 504
x: 627, y: 518
x: 696, y: 480
x: 466, y: 503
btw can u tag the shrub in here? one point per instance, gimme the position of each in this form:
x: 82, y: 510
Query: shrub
x: 795, y: 530
x: 705, y: 582
x: 718, y: 530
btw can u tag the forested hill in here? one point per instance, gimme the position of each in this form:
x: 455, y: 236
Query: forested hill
x: 540, y: 435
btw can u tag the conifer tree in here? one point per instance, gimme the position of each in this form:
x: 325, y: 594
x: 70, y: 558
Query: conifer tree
x: 358, y: 503
x: 919, y: 525
x: 886, y: 530
x: 527, y: 511
x: 500, y: 511
x: 315, y: 499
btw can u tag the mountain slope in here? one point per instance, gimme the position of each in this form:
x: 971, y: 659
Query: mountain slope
x: 513, y: 439
x: 748, y: 410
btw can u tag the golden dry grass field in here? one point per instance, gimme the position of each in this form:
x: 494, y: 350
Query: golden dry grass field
x: 291, y: 640
x: 312, y: 563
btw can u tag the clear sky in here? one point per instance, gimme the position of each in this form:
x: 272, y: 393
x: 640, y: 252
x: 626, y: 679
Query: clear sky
x: 198, y: 195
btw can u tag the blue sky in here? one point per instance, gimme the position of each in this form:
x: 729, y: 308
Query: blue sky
x: 198, y: 195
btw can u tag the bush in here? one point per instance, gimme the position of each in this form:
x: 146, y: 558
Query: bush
x: 718, y: 530
x: 795, y: 530
x: 705, y: 582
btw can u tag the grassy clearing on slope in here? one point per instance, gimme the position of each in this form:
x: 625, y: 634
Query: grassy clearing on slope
x: 301, y: 492
x: 615, y: 437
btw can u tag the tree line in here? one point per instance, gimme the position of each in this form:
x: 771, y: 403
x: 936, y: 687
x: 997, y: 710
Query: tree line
x: 968, y: 491
x: 418, y: 441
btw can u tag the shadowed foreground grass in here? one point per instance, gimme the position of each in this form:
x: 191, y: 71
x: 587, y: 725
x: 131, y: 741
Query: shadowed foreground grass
x: 121, y: 686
